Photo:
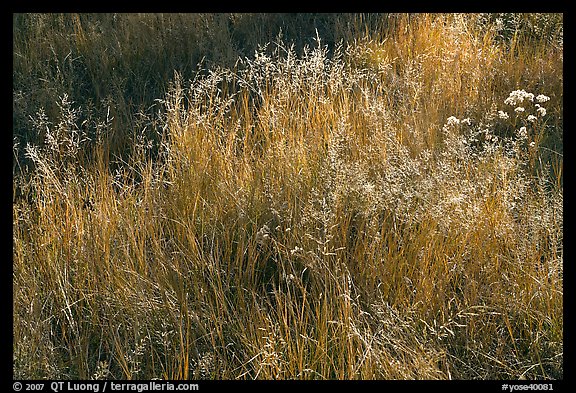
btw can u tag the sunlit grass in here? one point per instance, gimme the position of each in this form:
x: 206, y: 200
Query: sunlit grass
x: 379, y: 209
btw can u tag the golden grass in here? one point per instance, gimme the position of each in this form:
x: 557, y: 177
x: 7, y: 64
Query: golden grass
x: 306, y: 214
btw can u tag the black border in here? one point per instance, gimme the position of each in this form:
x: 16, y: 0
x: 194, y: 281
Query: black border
x: 369, y: 385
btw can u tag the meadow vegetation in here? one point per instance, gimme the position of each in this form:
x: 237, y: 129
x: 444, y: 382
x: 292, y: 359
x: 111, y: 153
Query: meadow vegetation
x: 300, y: 196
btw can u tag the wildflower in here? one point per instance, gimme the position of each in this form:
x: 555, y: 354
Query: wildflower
x: 452, y: 121
x: 519, y: 109
x: 503, y: 115
x: 532, y: 144
x: 541, y: 111
x: 531, y: 118
x: 511, y: 100
x: 522, y: 132
x: 541, y: 98
x: 517, y: 97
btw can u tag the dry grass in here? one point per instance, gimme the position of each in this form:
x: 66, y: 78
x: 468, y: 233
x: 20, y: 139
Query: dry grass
x: 354, y: 211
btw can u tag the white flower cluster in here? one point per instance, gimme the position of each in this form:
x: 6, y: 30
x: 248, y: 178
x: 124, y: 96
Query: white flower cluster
x: 453, y: 121
x: 541, y: 110
x: 517, y: 97
x: 528, y: 116
x: 522, y: 133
